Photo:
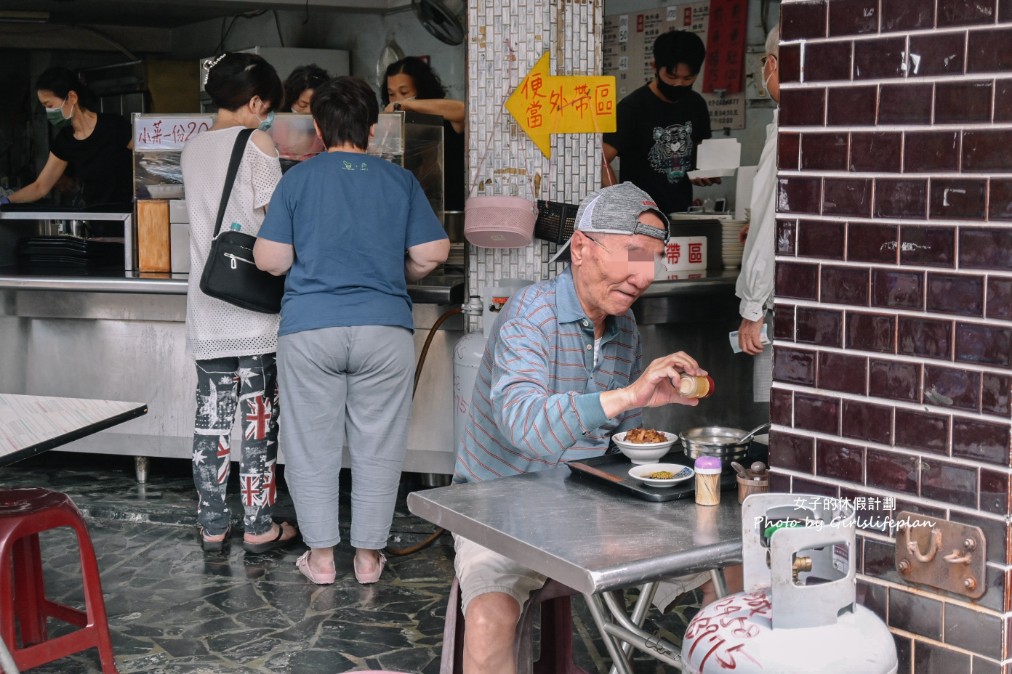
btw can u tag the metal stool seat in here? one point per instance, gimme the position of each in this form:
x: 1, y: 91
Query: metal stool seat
x: 24, y: 513
x: 556, y: 633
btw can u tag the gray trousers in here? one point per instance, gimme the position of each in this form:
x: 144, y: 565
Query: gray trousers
x: 338, y: 383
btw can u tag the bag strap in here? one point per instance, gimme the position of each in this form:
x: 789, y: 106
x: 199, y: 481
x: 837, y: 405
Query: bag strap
x: 233, y: 168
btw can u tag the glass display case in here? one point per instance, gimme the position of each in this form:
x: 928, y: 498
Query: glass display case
x: 406, y: 139
x: 158, y: 142
x: 159, y: 139
x: 414, y: 141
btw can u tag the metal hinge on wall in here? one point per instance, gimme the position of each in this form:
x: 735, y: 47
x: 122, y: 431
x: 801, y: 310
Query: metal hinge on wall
x: 946, y: 555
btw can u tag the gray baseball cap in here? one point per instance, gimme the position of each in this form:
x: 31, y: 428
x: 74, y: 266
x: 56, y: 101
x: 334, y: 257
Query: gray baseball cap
x: 616, y: 210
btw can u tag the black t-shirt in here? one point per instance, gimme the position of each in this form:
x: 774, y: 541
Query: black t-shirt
x: 102, y: 163
x: 453, y: 168
x: 657, y: 142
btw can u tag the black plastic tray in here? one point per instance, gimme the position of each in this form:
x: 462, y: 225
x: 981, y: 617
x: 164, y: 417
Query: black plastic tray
x: 617, y: 466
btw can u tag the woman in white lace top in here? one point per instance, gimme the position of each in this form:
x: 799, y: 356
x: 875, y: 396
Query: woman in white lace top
x: 234, y: 348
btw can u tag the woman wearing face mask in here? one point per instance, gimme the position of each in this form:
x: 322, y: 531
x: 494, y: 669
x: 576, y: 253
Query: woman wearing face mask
x: 96, y: 145
x: 300, y: 85
x: 233, y: 348
x: 410, y: 84
x: 297, y: 141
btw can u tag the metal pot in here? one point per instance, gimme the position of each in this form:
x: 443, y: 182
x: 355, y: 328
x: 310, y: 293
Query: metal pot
x: 77, y: 228
x: 725, y: 443
x: 453, y: 222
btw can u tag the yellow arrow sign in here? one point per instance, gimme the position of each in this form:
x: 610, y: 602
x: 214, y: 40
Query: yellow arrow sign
x: 544, y: 104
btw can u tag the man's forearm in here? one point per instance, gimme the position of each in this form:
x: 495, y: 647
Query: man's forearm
x: 615, y: 402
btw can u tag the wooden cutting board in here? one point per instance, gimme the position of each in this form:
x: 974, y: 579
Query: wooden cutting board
x: 153, y: 243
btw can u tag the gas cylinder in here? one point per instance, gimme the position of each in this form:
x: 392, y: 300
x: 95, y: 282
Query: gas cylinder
x: 798, y: 613
x: 470, y: 348
x: 467, y: 355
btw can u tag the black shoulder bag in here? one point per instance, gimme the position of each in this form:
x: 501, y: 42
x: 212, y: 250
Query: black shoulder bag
x: 230, y: 274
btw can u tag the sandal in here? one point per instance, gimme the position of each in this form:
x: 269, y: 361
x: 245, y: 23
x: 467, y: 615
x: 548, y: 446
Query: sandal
x: 212, y: 546
x: 302, y: 563
x: 274, y: 543
x: 372, y: 577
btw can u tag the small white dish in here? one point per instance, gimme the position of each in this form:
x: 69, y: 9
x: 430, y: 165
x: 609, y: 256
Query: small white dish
x: 681, y: 473
x: 644, y: 452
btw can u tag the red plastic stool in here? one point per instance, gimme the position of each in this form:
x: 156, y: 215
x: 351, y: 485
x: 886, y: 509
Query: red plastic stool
x: 556, y: 633
x: 23, y: 514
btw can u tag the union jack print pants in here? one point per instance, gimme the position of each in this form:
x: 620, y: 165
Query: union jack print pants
x: 248, y: 384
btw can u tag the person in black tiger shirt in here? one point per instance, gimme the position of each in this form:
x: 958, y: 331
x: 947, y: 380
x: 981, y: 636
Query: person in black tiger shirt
x: 661, y: 124
x: 96, y: 145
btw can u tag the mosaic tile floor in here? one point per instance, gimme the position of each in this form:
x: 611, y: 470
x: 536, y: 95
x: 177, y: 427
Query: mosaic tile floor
x: 174, y: 609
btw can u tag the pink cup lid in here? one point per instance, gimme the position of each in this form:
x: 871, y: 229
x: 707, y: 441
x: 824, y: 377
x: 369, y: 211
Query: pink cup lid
x: 707, y: 464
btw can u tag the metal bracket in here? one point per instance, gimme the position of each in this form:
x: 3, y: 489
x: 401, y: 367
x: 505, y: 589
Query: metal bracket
x: 943, y: 554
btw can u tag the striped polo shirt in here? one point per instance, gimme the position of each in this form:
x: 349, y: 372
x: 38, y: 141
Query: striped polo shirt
x: 537, y: 397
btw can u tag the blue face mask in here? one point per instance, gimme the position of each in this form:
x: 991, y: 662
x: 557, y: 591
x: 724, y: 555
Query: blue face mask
x: 267, y: 122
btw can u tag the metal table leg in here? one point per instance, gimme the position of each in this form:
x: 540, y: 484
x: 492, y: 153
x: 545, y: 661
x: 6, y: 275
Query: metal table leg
x: 622, y: 632
x: 652, y: 644
x: 639, y: 614
x: 141, y: 469
x: 719, y: 582
x: 597, y: 611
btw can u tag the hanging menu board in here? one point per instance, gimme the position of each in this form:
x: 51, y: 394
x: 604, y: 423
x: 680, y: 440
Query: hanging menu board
x: 628, y: 55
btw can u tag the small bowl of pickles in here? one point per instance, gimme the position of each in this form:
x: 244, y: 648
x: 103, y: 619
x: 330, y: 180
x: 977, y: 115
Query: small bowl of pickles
x: 661, y: 474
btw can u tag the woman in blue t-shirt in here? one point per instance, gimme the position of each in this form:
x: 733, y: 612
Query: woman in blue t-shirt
x: 95, y: 146
x: 350, y: 230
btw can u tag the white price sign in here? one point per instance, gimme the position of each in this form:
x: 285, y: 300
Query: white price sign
x: 168, y: 133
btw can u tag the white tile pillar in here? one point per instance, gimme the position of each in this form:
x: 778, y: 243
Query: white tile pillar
x: 505, y: 40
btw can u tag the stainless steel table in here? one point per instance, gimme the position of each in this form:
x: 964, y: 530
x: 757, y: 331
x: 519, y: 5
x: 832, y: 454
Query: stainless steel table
x: 594, y: 539
x: 30, y: 425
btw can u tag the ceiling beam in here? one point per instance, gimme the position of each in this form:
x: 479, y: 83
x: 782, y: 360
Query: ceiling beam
x: 372, y: 5
x: 86, y: 38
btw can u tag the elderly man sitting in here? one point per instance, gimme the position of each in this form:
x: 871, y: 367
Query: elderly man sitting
x: 560, y: 374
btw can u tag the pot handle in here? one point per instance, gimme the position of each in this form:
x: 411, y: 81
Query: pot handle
x: 751, y: 434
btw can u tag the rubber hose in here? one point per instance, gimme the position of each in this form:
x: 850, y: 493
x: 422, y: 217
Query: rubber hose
x: 431, y: 538
x: 428, y: 341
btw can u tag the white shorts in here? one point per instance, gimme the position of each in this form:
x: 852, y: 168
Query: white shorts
x: 480, y: 571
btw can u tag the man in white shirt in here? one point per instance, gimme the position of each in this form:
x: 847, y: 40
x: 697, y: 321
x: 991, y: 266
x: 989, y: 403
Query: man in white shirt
x: 755, y: 282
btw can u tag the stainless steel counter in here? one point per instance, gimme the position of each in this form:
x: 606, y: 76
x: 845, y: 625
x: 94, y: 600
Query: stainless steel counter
x: 121, y: 335
x: 441, y: 288
x: 21, y: 217
x: 688, y: 299
x: 124, y: 338
x: 437, y: 289
x: 691, y: 283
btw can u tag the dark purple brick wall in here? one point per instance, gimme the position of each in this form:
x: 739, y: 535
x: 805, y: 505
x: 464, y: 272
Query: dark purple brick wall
x: 893, y: 334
